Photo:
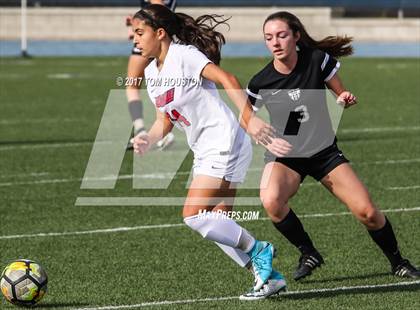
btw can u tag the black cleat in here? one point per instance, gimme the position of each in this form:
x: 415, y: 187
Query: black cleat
x: 406, y: 270
x: 307, y: 263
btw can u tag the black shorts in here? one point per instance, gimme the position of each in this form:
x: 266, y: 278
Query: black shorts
x: 317, y: 166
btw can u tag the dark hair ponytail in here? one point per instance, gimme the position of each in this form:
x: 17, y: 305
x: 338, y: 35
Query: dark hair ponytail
x: 336, y: 46
x: 199, y: 32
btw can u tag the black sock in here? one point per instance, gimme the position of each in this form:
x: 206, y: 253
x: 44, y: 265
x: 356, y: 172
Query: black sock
x: 385, y: 239
x: 291, y: 227
x: 136, y: 109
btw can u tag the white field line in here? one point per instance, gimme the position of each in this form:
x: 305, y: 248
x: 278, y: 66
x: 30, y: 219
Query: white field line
x: 161, y: 226
x: 170, y: 174
x: 50, y: 181
x: 24, y: 175
x: 391, y: 162
x: 40, y: 121
x: 90, y: 232
x: 379, y: 129
x: 43, y: 146
x: 290, y: 293
x: 399, y: 188
x: 165, y: 175
x: 157, y: 201
x: 72, y: 144
x: 158, y: 176
x: 62, y: 145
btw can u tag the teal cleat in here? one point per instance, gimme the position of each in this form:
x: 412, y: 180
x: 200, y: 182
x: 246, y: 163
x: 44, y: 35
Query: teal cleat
x: 262, y: 262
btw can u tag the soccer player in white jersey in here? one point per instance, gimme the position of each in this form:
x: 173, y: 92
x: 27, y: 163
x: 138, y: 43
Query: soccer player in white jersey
x: 181, y: 83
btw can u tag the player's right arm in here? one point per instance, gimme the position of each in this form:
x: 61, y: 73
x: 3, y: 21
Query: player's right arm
x: 344, y: 96
x: 160, y: 128
x: 259, y: 130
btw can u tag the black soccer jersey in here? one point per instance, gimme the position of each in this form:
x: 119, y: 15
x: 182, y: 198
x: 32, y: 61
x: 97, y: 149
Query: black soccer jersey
x: 296, y: 102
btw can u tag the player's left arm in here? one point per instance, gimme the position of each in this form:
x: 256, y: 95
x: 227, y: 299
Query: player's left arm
x: 343, y: 96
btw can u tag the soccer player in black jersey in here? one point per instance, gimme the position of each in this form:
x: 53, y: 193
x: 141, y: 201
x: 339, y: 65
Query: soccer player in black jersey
x: 135, y: 74
x: 301, y: 63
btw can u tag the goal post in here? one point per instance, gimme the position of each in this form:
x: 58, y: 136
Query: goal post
x: 23, y: 32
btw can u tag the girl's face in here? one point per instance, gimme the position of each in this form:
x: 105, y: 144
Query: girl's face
x: 145, y: 38
x: 279, y: 39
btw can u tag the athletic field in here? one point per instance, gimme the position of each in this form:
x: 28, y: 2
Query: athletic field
x: 127, y: 257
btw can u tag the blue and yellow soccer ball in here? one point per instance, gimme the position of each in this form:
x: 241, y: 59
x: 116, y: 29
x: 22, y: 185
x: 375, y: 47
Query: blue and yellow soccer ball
x: 23, y: 282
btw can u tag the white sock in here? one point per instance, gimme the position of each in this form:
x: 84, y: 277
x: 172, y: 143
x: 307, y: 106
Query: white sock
x: 239, y: 256
x: 246, y: 241
x: 222, y: 229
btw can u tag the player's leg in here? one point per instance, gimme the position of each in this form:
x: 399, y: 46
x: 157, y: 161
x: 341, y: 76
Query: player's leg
x: 135, y: 72
x: 278, y: 184
x: 343, y: 183
x: 204, y: 194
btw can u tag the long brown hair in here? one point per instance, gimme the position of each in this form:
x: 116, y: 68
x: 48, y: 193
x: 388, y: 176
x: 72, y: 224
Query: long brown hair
x: 199, y: 32
x: 336, y: 46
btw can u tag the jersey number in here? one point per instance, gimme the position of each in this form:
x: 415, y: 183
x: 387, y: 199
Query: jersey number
x: 177, y: 117
x: 299, y: 115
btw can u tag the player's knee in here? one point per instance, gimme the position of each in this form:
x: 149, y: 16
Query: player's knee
x: 369, y: 215
x: 273, y: 204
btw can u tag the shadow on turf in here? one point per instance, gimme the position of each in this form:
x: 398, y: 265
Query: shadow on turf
x: 339, y: 279
x: 349, y: 291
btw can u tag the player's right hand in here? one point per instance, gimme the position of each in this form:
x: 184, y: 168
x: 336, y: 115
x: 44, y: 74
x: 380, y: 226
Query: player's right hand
x: 346, y: 99
x: 260, y: 131
x: 141, y: 143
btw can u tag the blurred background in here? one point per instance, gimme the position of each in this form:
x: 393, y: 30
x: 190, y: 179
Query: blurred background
x: 97, y: 27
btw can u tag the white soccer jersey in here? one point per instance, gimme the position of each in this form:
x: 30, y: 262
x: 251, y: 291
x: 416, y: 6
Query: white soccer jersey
x: 221, y: 147
x: 193, y: 103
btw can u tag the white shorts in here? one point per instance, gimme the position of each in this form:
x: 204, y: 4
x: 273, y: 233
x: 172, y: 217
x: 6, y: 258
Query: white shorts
x: 232, y: 167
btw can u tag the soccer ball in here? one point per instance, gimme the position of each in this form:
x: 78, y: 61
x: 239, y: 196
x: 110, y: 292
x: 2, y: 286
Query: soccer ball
x: 23, y: 282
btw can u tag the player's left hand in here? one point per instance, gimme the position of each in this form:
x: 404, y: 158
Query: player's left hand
x: 347, y: 99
